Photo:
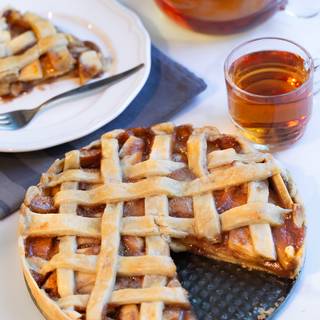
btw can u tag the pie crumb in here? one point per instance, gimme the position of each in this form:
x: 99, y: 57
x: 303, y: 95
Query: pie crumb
x: 264, y: 314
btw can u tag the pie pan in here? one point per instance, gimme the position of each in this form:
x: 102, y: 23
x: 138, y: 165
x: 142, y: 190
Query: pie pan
x: 96, y: 232
x: 224, y: 291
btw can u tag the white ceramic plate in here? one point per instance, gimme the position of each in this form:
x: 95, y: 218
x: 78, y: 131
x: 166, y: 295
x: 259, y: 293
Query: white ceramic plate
x: 115, y: 29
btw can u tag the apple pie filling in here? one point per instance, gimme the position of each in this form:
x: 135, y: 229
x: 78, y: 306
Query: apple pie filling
x: 223, y: 201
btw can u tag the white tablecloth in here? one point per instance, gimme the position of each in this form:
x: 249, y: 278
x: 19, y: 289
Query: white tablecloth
x: 205, y: 56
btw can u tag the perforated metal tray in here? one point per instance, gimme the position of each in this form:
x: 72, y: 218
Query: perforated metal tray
x: 223, y: 291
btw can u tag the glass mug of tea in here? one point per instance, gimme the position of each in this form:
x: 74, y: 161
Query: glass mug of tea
x: 270, y: 86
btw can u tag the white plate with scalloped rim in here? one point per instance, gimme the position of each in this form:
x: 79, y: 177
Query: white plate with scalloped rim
x: 116, y: 30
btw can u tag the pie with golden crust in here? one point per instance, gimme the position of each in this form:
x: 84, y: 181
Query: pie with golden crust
x: 33, y: 52
x: 95, y: 234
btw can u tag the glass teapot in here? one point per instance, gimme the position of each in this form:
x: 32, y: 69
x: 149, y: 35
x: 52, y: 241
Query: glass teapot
x: 230, y: 16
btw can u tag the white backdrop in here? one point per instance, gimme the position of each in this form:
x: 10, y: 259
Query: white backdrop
x: 205, y: 56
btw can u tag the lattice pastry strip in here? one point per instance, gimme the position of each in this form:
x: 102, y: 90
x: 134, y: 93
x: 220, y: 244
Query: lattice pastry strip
x: 41, y: 29
x: 52, y: 224
x: 148, y: 168
x: 171, y: 296
x: 127, y: 266
x: 107, y: 263
x: 207, y: 221
x: 217, y: 180
x: 253, y: 213
x: 17, y: 44
x: 261, y: 234
x: 156, y: 245
x: 225, y: 157
x: 110, y: 235
x: 65, y: 224
x: 282, y: 191
x: 68, y: 244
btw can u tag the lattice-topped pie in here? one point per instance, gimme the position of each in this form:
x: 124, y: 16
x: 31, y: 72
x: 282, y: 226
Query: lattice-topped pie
x: 96, y: 233
x: 33, y: 51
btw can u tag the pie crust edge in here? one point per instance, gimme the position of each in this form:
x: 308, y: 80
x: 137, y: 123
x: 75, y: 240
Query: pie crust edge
x: 53, y: 312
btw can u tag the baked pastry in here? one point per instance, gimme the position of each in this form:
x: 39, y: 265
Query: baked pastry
x: 33, y: 51
x: 95, y: 233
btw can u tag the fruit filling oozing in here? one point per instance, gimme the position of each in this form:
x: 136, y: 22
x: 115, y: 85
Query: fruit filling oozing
x: 180, y: 207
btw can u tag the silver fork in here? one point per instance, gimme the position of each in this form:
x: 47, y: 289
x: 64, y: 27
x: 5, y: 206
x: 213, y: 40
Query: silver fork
x: 18, y: 119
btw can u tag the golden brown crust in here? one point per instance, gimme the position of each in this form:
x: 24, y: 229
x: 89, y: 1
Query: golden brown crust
x: 33, y: 52
x: 225, y: 256
x: 117, y: 179
x: 47, y: 306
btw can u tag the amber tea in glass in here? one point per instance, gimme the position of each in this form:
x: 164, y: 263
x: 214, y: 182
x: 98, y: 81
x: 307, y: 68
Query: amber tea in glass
x: 270, y: 90
x: 220, y: 16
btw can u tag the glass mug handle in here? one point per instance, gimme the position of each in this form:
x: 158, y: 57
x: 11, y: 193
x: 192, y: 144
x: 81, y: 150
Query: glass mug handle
x: 316, y: 62
x: 305, y: 9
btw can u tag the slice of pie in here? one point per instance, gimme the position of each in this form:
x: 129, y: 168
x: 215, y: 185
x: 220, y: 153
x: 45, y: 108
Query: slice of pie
x: 33, y: 52
x: 96, y: 233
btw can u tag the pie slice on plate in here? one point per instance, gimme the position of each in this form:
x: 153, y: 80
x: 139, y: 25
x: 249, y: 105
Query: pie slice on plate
x: 33, y: 52
x: 95, y: 234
